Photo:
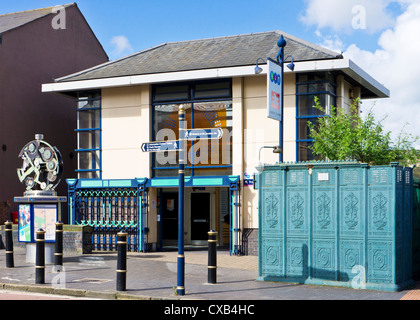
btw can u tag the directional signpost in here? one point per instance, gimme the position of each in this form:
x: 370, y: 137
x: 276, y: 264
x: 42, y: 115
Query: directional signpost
x: 160, y: 146
x: 194, y: 134
x: 180, y: 145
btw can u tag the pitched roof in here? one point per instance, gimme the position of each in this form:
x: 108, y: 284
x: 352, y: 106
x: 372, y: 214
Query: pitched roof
x: 232, y: 51
x: 14, y: 20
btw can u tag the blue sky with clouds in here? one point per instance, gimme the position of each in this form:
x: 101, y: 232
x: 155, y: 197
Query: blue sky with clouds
x: 381, y: 36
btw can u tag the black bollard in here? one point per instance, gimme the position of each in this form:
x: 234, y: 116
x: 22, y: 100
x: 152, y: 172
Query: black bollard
x: 9, y: 245
x: 122, y: 261
x: 58, y: 254
x: 40, y: 257
x: 212, y: 264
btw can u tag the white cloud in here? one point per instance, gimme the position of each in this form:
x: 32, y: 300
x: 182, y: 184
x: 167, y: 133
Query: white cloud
x: 395, y: 64
x: 348, y: 15
x: 332, y: 42
x: 121, y: 46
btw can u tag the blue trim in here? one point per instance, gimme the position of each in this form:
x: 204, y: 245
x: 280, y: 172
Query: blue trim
x: 110, y: 183
x: 87, y: 109
x: 87, y: 129
x: 88, y: 170
x: 194, y: 167
x: 87, y: 150
x: 316, y: 93
x: 90, y: 99
x: 311, y: 117
x: 191, y: 181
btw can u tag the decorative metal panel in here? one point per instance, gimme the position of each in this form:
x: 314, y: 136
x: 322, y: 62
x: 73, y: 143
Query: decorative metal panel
x: 271, y: 204
x: 337, y: 223
x: 297, y: 207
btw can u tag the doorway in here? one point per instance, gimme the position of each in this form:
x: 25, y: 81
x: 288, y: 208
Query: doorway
x: 200, y: 218
x: 169, y: 216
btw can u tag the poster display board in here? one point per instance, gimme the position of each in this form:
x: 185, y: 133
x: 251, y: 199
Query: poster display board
x: 36, y: 216
x: 45, y: 217
x: 24, y: 223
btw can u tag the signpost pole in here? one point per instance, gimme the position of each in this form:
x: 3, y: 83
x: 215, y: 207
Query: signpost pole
x: 181, y: 258
x: 281, y: 103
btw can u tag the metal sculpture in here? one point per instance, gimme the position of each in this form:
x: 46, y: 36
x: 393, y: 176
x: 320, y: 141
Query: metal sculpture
x: 42, y: 165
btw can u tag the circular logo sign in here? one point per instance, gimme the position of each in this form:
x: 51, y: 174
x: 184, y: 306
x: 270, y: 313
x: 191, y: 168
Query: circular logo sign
x: 275, y: 78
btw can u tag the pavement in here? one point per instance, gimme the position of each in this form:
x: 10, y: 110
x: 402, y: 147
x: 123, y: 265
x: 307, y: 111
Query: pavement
x: 153, y: 276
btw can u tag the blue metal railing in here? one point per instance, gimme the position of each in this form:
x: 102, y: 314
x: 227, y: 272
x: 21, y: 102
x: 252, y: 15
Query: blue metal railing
x: 111, y: 206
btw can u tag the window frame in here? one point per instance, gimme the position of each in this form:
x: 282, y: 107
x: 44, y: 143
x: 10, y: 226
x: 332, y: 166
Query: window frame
x: 314, y: 117
x: 96, y: 168
x: 191, y: 100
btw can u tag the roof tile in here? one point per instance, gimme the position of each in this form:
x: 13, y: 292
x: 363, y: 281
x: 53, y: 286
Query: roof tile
x: 232, y: 51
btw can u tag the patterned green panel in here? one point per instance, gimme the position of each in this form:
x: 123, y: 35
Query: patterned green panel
x: 380, y: 261
x: 297, y: 261
x: 272, y: 217
x: 325, y: 214
x: 381, y: 222
x: 352, y: 258
x: 352, y: 213
x: 272, y: 253
x: 297, y: 212
x: 324, y: 259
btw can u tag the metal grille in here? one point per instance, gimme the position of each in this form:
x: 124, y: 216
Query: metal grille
x: 109, y: 211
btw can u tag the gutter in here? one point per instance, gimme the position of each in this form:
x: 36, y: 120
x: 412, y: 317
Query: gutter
x: 345, y: 65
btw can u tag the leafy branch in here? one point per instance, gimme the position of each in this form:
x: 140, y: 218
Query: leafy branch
x: 344, y: 135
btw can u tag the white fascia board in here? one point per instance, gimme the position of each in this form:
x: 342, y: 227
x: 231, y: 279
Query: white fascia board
x: 148, y: 79
x: 345, y: 65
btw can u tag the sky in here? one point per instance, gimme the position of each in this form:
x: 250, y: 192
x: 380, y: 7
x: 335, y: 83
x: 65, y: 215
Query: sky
x: 381, y: 36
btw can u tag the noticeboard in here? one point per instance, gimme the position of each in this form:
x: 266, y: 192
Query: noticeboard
x: 33, y: 217
x: 274, y: 91
x: 45, y: 217
x: 24, y: 223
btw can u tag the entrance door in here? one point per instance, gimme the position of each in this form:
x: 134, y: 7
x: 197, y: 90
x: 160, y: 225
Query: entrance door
x: 200, y: 216
x: 169, y: 216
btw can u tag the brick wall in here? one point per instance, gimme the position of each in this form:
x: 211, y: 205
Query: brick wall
x: 76, y: 239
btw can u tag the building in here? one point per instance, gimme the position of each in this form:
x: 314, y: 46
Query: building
x: 38, y: 46
x: 135, y: 100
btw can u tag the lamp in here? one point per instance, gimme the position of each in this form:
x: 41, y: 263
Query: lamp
x: 291, y: 65
x: 258, y: 69
x: 276, y: 149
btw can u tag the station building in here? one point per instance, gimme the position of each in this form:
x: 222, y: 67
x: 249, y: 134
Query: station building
x: 123, y: 104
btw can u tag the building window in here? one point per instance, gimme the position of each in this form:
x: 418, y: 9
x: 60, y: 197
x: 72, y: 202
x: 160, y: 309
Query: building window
x: 207, y: 105
x: 88, y: 130
x: 309, y: 86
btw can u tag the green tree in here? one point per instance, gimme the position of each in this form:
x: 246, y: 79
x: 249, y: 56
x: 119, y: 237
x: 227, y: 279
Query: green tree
x: 344, y: 135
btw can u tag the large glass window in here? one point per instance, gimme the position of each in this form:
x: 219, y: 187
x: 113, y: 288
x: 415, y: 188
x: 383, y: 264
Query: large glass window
x: 207, y: 105
x: 89, y: 136
x: 309, y: 86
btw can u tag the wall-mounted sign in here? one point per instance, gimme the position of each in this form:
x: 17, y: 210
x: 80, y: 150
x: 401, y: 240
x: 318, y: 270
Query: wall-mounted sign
x: 248, y: 179
x: 274, y: 91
